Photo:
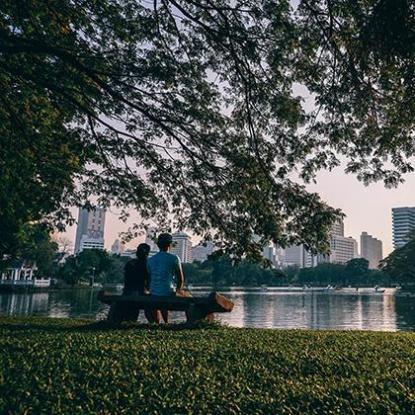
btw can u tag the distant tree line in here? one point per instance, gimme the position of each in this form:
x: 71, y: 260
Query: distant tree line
x: 103, y: 267
x: 222, y: 272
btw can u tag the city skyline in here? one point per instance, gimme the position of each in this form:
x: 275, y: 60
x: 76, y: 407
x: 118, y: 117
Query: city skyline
x: 367, y: 209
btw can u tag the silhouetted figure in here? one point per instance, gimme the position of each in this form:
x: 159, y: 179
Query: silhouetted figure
x: 136, y: 280
x: 136, y: 277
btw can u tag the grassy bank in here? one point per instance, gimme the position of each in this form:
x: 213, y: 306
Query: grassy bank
x: 75, y: 367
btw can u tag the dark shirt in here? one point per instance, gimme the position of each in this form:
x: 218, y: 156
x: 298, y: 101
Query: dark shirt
x: 135, y: 276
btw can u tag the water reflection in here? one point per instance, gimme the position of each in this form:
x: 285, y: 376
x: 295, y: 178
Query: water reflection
x: 252, y: 309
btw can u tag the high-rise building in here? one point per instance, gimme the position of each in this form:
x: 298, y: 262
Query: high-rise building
x: 182, y: 246
x: 342, y: 249
x: 338, y: 228
x: 202, y: 251
x: 295, y: 255
x: 269, y: 253
x: 403, y: 222
x: 90, y: 229
x: 371, y: 249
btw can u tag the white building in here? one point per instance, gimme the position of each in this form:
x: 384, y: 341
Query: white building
x: 295, y: 255
x: 182, y: 246
x: 130, y: 253
x: 202, y: 251
x: 90, y: 230
x: 117, y: 247
x: 338, y: 228
x: 269, y: 253
x: 371, y: 249
x: 342, y: 249
x: 22, y: 273
x: 403, y: 222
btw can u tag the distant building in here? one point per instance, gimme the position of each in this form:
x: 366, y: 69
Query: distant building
x: 269, y: 253
x: 295, y: 255
x: 371, y: 249
x: 90, y: 229
x: 117, y: 247
x: 403, y: 222
x: 182, y: 246
x: 130, y: 253
x: 342, y: 249
x: 338, y: 228
x: 22, y: 273
x: 202, y: 251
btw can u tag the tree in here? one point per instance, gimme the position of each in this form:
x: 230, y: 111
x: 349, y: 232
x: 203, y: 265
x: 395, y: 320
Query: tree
x: 102, y: 266
x: 36, y: 245
x: 400, y: 264
x: 357, y: 266
x: 114, y: 99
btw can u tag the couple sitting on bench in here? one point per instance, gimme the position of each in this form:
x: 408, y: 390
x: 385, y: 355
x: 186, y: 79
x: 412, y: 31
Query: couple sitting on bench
x: 156, y: 275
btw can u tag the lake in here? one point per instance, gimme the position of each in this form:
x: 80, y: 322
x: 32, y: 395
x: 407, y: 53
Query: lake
x: 262, y: 309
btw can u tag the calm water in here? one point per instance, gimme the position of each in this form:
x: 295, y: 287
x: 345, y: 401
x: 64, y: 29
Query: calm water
x: 268, y: 309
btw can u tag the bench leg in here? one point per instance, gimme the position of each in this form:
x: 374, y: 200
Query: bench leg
x: 195, y: 314
x: 122, y: 312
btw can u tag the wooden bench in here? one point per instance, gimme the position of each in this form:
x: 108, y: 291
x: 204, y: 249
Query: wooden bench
x: 127, y: 307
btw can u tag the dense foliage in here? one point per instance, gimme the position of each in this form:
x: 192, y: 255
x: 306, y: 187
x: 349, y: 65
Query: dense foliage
x: 92, y: 265
x: 355, y: 273
x: 35, y: 245
x: 222, y: 272
x: 190, y: 110
x: 74, y: 367
x: 400, y: 264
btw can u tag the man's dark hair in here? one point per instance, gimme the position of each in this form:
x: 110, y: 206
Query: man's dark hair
x: 164, y: 240
x: 142, y: 251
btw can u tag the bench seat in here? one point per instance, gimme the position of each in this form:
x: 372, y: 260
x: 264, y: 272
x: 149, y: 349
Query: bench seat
x: 126, y: 307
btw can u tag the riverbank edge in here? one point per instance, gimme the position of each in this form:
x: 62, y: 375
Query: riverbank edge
x: 77, y: 366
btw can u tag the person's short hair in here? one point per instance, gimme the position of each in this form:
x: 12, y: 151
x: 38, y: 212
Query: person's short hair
x: 143, y: 250
x: 164, y: 240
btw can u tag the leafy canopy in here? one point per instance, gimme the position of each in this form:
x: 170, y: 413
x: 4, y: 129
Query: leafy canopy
x: 400, y: 264
x: 187, y: 110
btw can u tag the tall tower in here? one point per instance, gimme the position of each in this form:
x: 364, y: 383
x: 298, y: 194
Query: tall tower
x: 182, y: 246
x: 371, y: 249
x: 337, y: 228
x: 403, y: 222
x: 90, y: 229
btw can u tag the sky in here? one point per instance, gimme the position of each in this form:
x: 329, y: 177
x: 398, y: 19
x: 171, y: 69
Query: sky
x: 367, y: 208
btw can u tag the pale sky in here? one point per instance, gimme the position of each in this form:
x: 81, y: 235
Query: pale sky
x: 367, y: 208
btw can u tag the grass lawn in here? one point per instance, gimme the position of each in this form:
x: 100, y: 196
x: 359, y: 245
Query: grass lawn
x: 54, y: 366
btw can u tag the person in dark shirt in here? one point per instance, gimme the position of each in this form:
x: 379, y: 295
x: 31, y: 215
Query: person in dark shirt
x: 136, y: 281
x: 136, y: 278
